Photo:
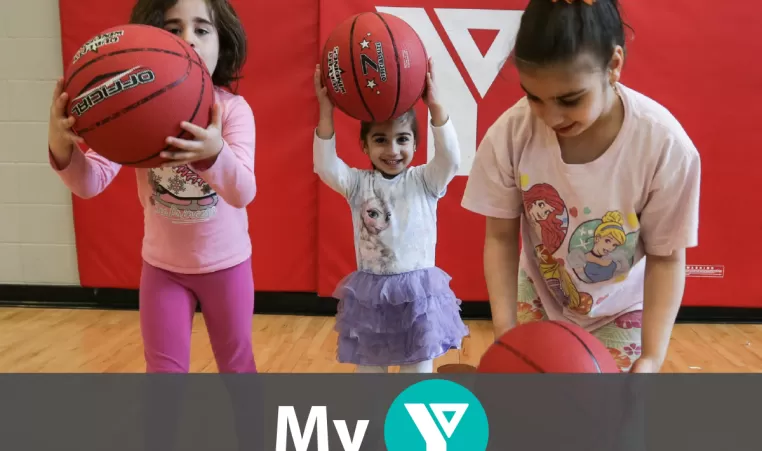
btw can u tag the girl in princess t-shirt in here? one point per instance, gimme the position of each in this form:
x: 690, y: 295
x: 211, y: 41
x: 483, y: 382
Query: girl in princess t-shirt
x: 602, y: 181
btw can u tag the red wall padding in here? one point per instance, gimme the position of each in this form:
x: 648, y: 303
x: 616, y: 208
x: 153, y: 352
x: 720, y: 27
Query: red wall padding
x: 696, y: 59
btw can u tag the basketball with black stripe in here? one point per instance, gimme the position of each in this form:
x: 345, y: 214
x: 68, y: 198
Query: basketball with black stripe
x: 129, y: 89
x: 374, y: 67
x: 547, y: 347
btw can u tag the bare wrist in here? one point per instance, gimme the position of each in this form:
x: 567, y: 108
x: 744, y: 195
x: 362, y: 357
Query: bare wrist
x: 61, y: 154
x: 325, y: 128
x: 439, y: 116
x: 326, y: 113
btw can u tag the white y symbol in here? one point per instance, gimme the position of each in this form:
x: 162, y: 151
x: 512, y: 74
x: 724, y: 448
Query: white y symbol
x: 434, y: 439
x: 482, y: 69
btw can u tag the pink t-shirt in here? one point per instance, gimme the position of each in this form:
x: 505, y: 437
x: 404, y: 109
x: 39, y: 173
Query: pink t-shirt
x: 587, y: 227
x: 195, y: 217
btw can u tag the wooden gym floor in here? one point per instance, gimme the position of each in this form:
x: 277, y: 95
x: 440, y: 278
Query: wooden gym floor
x: 36, y: 340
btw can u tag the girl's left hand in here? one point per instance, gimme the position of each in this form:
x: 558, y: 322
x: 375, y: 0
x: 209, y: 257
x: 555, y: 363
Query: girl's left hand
x: 430, y: 94
x: 431, y: 98
x: 207, y: 145
x: 645, y: 364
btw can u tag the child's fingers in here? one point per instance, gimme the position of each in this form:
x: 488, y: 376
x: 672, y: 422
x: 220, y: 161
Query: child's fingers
x: 57, y: 89
x: 198, y: 132
x: 65, y: 125
x: 74, y: 138
x: 67, y: 122
x: 215, y: 118
x: 183, y: 144
x: 316, y: 79
x: 178, y: 156
x: 59, y: 106
x: 56, y: 107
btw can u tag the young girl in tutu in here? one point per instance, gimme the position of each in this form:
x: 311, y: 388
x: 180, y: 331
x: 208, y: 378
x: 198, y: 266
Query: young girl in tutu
x: 397, y: 308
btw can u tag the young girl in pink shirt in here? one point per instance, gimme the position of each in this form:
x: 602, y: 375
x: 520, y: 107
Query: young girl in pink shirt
x: 602, y: 181
x: 196, y: 246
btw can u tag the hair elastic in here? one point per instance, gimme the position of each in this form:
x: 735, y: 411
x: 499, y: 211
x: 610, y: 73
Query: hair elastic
x: 589, y: 2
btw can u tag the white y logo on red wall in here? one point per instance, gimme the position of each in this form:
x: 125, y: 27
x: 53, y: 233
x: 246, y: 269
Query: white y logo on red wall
x: 482, y: 69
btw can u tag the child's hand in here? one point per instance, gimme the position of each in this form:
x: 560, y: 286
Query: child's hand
x: 61, y: 139
x: 499, y: 328
x: 325, y: 126
x: 326, y: 106
x: 207, y: 145
x: 645, y: 364
x: 431, y: 99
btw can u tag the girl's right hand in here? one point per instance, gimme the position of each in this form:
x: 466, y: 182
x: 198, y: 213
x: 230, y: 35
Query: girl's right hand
x: 325, y: 126
x: 326, y: 106
x: 61, y: 139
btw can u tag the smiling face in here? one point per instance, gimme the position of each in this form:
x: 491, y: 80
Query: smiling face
x: 570, y: 97
x: 604, y: 245
x: 391, y: 145
x: 192, y: 21
x: 540, y: 210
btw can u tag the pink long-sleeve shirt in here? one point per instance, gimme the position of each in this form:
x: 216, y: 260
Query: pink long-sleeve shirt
x: 195, y: 216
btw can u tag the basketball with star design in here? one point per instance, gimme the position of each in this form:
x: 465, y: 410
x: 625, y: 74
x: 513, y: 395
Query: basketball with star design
x: 374, y: 67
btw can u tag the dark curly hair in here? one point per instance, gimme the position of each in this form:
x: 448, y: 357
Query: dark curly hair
x: 231, y: 33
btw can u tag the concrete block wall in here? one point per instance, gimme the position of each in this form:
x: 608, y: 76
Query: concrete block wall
x: 36, y: 222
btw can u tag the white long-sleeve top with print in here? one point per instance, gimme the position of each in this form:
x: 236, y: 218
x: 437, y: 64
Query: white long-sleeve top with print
x: 395, y: 220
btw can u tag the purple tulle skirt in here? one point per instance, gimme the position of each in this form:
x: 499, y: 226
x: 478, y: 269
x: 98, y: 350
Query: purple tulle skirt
x: 397, y: 319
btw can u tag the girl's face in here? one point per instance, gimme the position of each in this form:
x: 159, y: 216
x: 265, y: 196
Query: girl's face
x: 540, y: 210
x: 604, y: 245
x: 390, y: 146
x: 571, y: 97
x: 191, y: 21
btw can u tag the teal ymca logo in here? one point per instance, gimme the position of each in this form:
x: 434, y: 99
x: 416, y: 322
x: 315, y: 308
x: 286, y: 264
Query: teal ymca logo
x: 436, y: 415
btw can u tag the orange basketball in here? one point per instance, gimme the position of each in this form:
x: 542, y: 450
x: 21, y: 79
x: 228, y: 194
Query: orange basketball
x: 129, y: 89
x: 547, y: 347
x: 374, y: 67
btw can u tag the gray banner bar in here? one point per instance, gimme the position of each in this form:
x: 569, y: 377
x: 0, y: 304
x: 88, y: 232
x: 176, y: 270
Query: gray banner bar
x: 241, y: 412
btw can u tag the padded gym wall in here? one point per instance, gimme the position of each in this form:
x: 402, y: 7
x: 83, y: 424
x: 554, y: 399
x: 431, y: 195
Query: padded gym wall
x: 693, y: 58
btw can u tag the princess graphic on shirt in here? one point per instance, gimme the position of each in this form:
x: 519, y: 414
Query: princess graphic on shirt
x: 181, y: 195
x: 600, y: 250
x: 547, y: 213
x: 376, y: 217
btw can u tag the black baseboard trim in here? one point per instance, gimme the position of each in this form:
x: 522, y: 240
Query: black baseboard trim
x: 289, y: 303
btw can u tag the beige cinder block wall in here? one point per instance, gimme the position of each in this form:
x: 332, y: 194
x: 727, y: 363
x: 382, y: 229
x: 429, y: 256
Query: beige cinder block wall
x: 36, y: 223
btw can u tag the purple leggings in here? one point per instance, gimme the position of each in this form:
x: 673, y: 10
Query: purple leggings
x: 168, y: 302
